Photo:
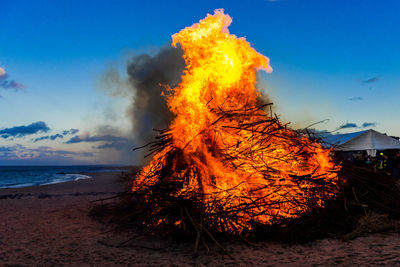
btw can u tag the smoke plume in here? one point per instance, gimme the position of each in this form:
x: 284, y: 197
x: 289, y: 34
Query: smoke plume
x: 149, y: 76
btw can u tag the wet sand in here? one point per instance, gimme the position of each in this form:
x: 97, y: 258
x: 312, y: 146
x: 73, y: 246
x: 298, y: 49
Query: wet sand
x: 49, y: 226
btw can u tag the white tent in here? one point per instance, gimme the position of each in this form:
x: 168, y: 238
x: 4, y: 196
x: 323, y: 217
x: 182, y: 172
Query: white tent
x: 368, y: 140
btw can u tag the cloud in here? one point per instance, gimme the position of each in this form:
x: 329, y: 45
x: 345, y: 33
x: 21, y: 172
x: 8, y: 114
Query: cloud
x: 108, y: 141
x: 9, y: 84
x: 19, y: 154
x: 356, y: 98
x: 71, y: 131
x: 2, y: 72
x: 369, y: 124
x: 316, y: 131
x: 117, y: 145
x: 324, y: 135
x: 348, y: 125
x: 55, y: 136
x: 48, y: 137
x: 5, y: 149
x: 371, y: 80
x: 21, y: 131
x: 85, y: 137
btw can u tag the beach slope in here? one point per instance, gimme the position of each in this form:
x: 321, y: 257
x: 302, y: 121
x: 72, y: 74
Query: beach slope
x: 49, y: 225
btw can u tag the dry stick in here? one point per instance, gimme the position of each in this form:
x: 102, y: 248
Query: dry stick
x: 196, y: 247
x: 205, y: 244
x: 218, y: 244
x: 126, y: 241
x: 196, y: 244
x: 362, y: 205
x: 108, y: 198
x: 270, y: 110
x: 241, y: 236
x: 140, y: 147
x: 208, y: 233
x: 135, y: 246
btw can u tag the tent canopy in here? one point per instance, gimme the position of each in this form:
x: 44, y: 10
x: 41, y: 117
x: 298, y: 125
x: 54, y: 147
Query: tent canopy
x: 368, y: 140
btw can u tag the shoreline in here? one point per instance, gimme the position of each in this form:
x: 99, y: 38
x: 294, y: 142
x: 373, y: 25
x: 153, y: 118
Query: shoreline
x: 49, y: 225
x: 24, y: 185
x: 32, y: 176
x: 100, y: 183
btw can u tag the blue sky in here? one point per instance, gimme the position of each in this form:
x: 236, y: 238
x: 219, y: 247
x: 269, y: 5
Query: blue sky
x: 332, y: 59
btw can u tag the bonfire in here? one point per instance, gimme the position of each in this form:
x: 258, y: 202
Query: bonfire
x: 226, y: 164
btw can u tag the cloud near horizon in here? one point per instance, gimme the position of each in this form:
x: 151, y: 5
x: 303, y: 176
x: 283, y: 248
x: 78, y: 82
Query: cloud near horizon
x: 369, y: 124
x: 48, y: 137
x: 21, y: 131
x: 117, y: 145
x: 71, y: 131
x: 85, y: 137
x: 350, y: 125
x: 107, y: 142
x: 55, y: 136
x: 19, y: 153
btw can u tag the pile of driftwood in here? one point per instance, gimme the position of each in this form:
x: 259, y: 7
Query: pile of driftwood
x: 290, y: 184
x: 298, y: 203
x: 366, y: 197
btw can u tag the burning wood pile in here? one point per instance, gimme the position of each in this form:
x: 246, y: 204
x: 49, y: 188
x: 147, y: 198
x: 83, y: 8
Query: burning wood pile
x: 226, y: 165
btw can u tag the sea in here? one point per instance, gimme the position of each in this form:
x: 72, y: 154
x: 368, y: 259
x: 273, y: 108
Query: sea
x: 25, y: 176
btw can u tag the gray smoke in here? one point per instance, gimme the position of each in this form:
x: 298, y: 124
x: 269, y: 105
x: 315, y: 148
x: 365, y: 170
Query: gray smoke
x: 264, y: 97
x: 149, y: 76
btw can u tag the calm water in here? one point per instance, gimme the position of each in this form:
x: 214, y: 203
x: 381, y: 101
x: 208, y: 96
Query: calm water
x: 23, y: 176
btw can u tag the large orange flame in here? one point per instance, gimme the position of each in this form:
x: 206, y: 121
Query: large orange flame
x: 220, y: 76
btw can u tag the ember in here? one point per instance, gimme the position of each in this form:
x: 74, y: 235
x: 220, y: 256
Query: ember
x: 226, y: 165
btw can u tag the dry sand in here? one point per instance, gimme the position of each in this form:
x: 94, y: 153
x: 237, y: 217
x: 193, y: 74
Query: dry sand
x: 49, y: 226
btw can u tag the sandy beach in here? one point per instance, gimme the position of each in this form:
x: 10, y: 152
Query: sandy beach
x: 49, y: 226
